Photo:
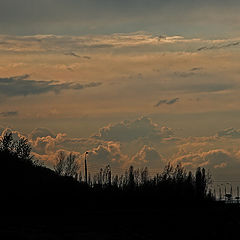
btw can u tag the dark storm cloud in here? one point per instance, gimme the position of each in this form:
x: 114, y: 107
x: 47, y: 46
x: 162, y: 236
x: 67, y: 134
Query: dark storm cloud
x: 9, y: 114
x: 21, y: 86
x: 168, y: 102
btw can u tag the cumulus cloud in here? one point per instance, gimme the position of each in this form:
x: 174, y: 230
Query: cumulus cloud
x: 21, y: 86
x: 112, y: 144
x: 41, y: 132
x: 49, y: 159
x: 44, y: 141
x: 100, y: 153
x: 192, y: 152
x: 103, y: 155
x: 15, y: 134
x: 147, y: 156
x: 107, y: 146
x: 9, y: 114
x: 47, y: 144
x: 168, y: 102
x: 131, y: 130
x: 213, y: 159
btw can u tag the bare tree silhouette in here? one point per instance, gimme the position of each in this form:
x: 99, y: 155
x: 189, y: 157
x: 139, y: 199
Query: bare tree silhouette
x: 66, y: 165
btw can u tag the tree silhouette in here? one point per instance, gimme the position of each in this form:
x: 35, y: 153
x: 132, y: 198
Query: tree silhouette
x: 7, y: 143
x: 16, y: 149
x: 59, y: 166
x: 23, y: 149
x: 201, y: 181
x: 66, y: 165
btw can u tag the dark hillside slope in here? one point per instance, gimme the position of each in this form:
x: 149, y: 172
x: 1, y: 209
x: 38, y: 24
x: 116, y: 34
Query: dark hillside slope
x: 39, y: 204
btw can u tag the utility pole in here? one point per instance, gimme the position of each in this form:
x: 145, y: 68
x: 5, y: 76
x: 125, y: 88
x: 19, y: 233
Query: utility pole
x: 86, y: 179
x: 237, y: 194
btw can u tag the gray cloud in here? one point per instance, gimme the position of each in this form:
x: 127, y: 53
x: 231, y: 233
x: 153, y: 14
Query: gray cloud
x: 87, y: 57
x: 229, y: 132
x: 106, y: 154
x: 76, y: 55
x: 219, y: 46
x: 209, y: 87
x: 184, y: 74
x: 132, y: 130
x: 21, y: 86
x: 213, y: 159
x: 147, y: 156
x: 72, y: 54
x: 191, y: 86
x: 172, y: 101
x: 9, y: 114
x: 195, y: 69
x: 191, y: 72
x: 168, y: 102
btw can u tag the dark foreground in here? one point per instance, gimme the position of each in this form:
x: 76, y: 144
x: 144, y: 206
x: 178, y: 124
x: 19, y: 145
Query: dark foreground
x: 206, y: 222
x: 39, y: 204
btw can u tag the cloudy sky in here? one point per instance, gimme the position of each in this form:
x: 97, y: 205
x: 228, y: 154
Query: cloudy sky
x: 140, y: 82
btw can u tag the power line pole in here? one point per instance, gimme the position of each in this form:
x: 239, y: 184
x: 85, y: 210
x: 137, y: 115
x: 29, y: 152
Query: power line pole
x: 86, y: 179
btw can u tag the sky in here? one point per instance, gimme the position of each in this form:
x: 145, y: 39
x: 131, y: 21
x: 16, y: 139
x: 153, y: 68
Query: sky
x: 142, y: 82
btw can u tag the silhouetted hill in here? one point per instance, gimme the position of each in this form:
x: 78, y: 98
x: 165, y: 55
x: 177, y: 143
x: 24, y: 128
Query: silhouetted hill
x: 38, y: 203
x: 29, y: 187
